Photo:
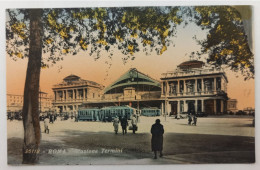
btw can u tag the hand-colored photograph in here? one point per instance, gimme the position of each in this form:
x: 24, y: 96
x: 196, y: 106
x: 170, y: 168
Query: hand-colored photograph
x: 142, y: 85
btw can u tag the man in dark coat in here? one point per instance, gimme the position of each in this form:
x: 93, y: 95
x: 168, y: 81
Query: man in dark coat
x: 124, y: 124
x: 157, y: 138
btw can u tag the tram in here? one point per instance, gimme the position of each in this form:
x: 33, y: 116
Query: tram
x: 111, y: 112
x: 150, y: 112
x: 89, y: 114
x: 105, y: 114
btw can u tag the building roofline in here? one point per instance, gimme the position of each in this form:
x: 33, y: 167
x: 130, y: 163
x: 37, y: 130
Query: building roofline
x: 109, y: 87
x: 191, y: 76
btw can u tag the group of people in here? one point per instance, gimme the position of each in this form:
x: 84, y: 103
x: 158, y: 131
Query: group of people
x: 190, y: 119
x: 124, y: 124
x: 157, y: 132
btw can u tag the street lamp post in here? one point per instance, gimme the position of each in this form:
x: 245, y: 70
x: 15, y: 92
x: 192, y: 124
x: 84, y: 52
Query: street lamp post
x: 165, y: 100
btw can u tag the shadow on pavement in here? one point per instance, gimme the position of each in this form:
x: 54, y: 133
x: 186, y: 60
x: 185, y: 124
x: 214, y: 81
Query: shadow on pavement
x: 127, y: 149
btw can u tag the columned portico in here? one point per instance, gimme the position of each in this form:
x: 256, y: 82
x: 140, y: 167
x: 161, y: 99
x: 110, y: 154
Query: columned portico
x: 71, y: 93
x: 199, y: 88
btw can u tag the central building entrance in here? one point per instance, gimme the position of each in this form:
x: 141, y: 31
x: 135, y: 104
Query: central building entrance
x: 174, y: 108
x: 191, y: 106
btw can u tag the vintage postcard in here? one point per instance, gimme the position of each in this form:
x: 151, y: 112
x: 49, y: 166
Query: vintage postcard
x: 140, y: 85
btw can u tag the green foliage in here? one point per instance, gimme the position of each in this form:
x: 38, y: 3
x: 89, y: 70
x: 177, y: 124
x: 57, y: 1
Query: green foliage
x: 226, y: 42
x: 94, y: 30
x: 133, y: 29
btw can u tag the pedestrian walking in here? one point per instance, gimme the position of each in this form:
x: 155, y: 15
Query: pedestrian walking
x: 194, y: 120
x: 76, y: 117
x: 134, y: 123
x: 157, y: 131
x: 46, y: 125
x: 189, y: 119
x: 51, y: 120
x: 115, y: 124
x: 138, y: 116
x: 124, y: 124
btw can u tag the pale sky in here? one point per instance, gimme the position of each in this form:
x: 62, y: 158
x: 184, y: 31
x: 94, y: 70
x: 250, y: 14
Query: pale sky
x: 154, y: 65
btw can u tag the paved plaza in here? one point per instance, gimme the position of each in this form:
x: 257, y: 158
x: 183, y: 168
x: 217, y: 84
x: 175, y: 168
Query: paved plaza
x: 213, y: 140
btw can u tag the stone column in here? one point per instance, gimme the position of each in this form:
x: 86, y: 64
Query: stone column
x: 184, y: 86
x: 73, y: 94
x: 215, y: 84
x: 196, y: 106
x: 215, y: 106
x: 86, y: 94
x: 222, y: 106
x: 55, y: 95
x: 202, y: 86
x: 178, y: 109
x: 83, y: 93
x: 168, y: 108
x: 63, y: 95
x: 77, y: 94
x: 202, y: 105
x: 58, y: 95
x: 185, y: 108
x: 167, y: 88
x: 178, y: 87
x: 162, y: 87
x: 221, y: 88
x: 196, y: 86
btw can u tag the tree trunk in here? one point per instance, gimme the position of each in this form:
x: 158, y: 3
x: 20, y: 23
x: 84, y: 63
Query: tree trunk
x: 31, y: 123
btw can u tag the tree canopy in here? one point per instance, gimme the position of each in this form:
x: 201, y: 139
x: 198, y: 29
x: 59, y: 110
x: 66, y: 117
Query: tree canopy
x: 93, y: 30
x: 226, y: 42
x: 133, y: 29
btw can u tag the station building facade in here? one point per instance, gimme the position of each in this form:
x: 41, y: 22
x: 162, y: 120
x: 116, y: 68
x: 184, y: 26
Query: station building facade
x: 133, y: 88
x: 194, y: 87
x: 73, y: 91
